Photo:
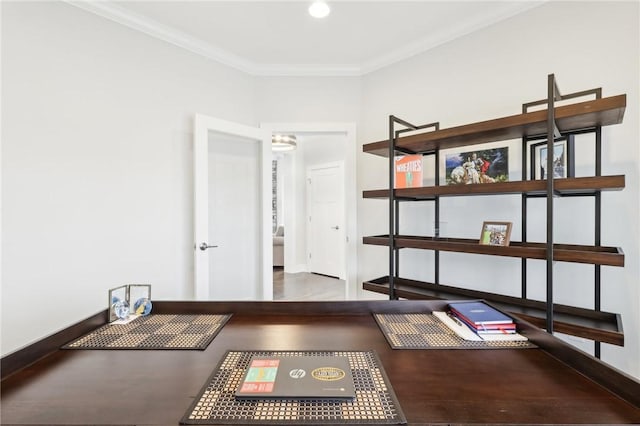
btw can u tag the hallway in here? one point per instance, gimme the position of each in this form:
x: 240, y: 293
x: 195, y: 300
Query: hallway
x: 306, y: 286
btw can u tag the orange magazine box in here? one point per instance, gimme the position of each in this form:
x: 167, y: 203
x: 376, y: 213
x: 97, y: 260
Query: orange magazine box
x: 408, y: 171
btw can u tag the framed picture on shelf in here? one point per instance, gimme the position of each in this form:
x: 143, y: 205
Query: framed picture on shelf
x: 478, y: 166
x: 495, y: 233
x: 563, y: 159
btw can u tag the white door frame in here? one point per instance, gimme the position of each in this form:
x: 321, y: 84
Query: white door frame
x: 350, y: 189
x: 202, y: 126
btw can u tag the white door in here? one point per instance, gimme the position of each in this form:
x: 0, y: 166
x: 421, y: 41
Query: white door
x: 234, y: 196
x: 325, y: 225
x: 232, y: 216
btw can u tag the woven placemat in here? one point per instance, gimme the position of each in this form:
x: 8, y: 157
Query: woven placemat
x: 426, y: 331
x: 375, y: 401
x: 155, y: 332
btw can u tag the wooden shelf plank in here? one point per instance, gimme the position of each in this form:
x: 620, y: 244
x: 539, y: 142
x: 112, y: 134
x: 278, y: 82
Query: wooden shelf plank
x: 590, y: 324
x: 573, y: 117
x: 597, y: 255
x: 568, y: 186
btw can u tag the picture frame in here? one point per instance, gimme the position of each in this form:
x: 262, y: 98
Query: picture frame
x: 130, y: 293
x: 115, y: 295
x: 489, y: 165
x: 140, y: 299
x: 137, y: 292
x: 564, y: 159
x: 495, y: 233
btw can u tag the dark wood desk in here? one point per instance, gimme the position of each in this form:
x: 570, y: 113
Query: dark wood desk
x: 553, y: 384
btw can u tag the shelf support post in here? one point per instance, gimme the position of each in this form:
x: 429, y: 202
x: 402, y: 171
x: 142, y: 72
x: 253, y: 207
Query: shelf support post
x: 436, y: 218
x: 394, y: 203
x: 598, y: 228
x: 552, y: 131
x: 392, y: 208
x: 523, y: 215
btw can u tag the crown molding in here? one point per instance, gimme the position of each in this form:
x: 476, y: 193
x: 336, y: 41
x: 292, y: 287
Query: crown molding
x: 308, y: 70
x: 464, y: 27
x: 124, y: 16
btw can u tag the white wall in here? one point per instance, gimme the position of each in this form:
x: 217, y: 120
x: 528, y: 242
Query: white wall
x: 323, y: 148
x: 490, y: 74
x: 97, y: 162
x: 308, y: 99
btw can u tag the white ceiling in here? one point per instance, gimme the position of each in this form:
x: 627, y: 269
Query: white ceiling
x: 280, y: 38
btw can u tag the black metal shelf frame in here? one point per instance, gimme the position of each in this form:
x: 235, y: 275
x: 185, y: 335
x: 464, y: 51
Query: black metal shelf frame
x: 553, y: 134
x: 553, y: 96
x: 394, y: 204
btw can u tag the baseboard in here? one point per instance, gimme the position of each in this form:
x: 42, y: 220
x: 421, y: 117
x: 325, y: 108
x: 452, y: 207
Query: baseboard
x: 295, y: 269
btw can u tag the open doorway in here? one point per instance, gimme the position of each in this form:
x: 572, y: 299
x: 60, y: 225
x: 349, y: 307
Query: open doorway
x: 320, y: 147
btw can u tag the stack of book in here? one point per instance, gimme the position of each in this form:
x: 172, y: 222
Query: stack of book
x: 482, y: 318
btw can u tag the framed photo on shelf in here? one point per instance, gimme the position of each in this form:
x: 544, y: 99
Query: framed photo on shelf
x: 495, y: 233
x: 477, y: 166
x: 563, y: 159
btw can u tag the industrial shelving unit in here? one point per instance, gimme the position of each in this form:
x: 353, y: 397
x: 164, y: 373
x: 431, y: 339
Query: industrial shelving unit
x: 546, y: 125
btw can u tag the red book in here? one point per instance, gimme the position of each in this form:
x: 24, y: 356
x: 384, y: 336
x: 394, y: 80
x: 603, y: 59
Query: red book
x: 486, y: 328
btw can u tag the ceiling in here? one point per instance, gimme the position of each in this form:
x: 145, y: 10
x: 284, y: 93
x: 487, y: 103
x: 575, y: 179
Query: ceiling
x: 280, y: 38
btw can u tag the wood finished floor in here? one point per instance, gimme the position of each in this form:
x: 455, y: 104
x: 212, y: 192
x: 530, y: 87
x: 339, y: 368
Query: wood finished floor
x: 304, y: 286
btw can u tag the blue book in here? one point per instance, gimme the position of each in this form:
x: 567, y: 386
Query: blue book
x: 479, y: 313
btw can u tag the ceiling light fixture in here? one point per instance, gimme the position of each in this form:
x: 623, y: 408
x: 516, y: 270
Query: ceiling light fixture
x: 319, y: 9
x: 282, y: 143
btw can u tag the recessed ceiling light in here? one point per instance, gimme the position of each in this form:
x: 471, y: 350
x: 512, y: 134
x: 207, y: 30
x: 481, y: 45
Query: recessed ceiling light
x: 319, y: 9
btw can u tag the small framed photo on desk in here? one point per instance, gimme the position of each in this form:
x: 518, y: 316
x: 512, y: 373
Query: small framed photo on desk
x: 117, y: 295
x: 495, y: 233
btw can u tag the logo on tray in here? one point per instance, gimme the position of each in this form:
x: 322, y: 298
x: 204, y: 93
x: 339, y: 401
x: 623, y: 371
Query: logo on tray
x: 297, y: 373
x: 328, y: 374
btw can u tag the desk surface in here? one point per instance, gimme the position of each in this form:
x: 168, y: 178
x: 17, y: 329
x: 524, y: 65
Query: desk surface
x: 433, y: 386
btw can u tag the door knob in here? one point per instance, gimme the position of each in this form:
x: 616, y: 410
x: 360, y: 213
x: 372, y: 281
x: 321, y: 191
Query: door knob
x: 335, y: 227
x: 205, y: 246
